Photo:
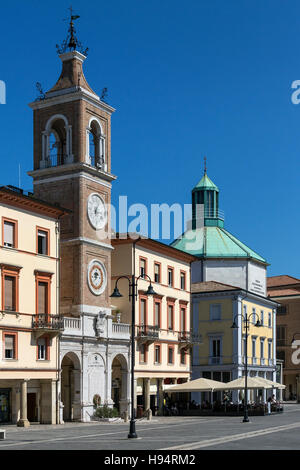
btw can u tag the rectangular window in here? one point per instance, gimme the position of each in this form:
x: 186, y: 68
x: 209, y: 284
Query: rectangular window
x: 143, y: 267
x: 42, y: 303
x: 182, y: 356
x: 281, y: 335
x: 10, y: 298
x: 43, y: 349
x: 253, y: 347
x: 253, y: 316
x: 10, y: 345
x: 170, y: 277
x: 156, y: 272
x: 170, y: 355
x: 170, y: 317
x: 143, y: 353
x: 143, y: 312
x: 42, y: 292
x: 269, y: 320
x: 216, y: 348
x: 42, y: 242
x: 215, y: 312
x: 262, y: 317
x: 269, y: 350
x: 182, y: 280
x: 182, y: 319
x: 10, y: 233
x: 157, y: 354
x: 157, y: 314
x: 262, y: 349
x: 282, y: 310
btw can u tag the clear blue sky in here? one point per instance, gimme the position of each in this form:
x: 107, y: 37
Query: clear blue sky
x: 194, y: 78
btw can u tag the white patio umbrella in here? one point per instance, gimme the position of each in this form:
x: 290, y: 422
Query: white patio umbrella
x: 198, y: 385
x: 239, y: 383
x: 270, y: 384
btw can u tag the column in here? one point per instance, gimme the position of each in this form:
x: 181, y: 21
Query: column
x: 76, y: 395
x: 23, y: 421
x: 69, y: 156
x: 44, y: 163
x: 124, y: 398
x: 87, y: 156
x: 109, y: 361
x: 48, y: 401
x: 160, y: 396
x: 147, y: 393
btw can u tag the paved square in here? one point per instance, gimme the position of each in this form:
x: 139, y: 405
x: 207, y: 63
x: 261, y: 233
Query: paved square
x: 277, y: 432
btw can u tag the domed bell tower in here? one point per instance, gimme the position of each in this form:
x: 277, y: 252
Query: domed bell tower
x: 72, y: 168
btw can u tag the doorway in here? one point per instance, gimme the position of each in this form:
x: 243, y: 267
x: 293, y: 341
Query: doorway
x: 32, y: 408
x: 5, y: 405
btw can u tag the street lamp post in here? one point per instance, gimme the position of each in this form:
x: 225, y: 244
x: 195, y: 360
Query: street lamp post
x: 246, y: 320
x: 133, y: 296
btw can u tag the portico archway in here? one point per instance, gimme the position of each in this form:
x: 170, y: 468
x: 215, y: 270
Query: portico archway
x: 70, y: 387
x: 119, y: 379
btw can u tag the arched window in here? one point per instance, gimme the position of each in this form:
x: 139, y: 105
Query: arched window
x: 57, y: 143
x: 96, y: 149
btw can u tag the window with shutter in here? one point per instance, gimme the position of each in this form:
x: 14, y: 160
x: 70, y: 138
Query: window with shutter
x: 42, y: 297
x: 9, y: 346
x: 182, y: 320
x: 170, y: 317
x: 9, y: 234
x: 143, y: 311
x: 157, y: 314
x: 215, y: 312
x: 10, y: 293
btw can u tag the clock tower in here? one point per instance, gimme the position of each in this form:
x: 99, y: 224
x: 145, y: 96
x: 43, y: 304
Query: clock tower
x: 72, y: 168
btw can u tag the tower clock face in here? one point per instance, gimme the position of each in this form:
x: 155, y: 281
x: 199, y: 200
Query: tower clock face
x: 97, y: 278
x: 97, y: 212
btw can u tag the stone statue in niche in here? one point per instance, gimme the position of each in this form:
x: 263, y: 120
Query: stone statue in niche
x: 99, y: 323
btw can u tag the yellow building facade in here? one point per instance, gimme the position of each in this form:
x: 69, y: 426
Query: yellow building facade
x: 221, y: 356
x: 29, y: 320
x: 163, y: 337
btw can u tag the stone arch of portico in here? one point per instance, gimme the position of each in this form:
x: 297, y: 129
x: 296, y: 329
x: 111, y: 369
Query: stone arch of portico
x: 120, y: 382
x: 71, y: 386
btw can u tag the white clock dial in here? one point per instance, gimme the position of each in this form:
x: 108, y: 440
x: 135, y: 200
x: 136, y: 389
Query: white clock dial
x: 97, y: 212
x: 96, y: 277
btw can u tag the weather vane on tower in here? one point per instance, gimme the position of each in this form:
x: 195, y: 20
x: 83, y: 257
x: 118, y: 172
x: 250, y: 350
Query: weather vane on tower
x: 71, y: 42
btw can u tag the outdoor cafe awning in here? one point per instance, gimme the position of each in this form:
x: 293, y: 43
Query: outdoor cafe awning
x: 252, y: 382
x: 270, y: 384
x: 198, y: 385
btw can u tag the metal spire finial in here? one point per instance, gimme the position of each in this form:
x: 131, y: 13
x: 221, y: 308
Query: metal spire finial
x: 71, y: 42
x: 205, y: 169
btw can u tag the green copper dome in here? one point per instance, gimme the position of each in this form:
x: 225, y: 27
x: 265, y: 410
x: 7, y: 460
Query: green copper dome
x: 208, y: 238
x: 214, y: 242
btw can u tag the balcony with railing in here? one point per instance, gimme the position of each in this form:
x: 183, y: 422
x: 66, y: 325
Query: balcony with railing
x: 147, y: 333
x: 52, y: 324
x: 120, y: 331
x: 188, y: 339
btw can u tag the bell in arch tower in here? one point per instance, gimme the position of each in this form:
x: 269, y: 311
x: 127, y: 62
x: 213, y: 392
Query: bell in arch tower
x: 72, y: 168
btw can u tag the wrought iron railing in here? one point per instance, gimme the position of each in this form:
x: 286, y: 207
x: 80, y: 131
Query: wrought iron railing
x: 48, y: 322
x: 56, y: 160
x: 189, y: 337
x: 148, y: 331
